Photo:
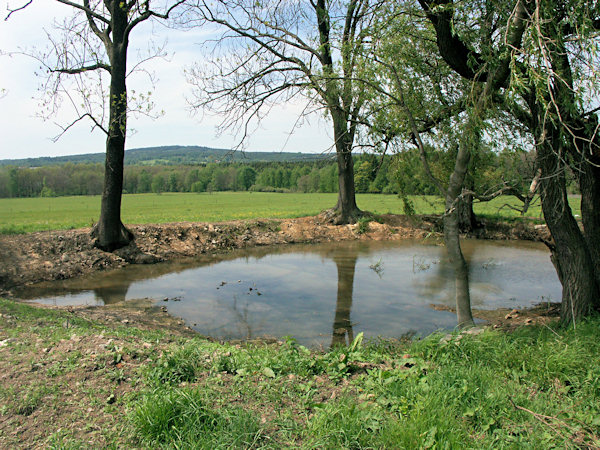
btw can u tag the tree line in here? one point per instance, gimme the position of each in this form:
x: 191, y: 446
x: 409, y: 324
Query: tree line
x: 401, y: 173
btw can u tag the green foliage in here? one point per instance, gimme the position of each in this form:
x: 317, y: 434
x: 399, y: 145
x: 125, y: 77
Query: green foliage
x: 363, y: 225
x: 174, y: 418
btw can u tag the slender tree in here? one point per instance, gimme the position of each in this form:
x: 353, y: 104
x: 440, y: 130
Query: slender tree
x: 96, y: 39
x: 276, y: 51
x: 415, y: 74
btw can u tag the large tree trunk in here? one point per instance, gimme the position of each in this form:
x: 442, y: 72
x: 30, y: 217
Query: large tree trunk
x: 346, y: 207
x: 110, y: 234
x: 342, y: 326
x: 570, y: 253
x: 576, y: 255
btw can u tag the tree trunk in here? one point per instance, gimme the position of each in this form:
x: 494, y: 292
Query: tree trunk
x: 346, y: 204
x: 342, y: 326
x: 345, y: 211
x: 570, y: 254
x: 460, y: 268
x: 589, y: 185
x: 109, y: 232
x: 467, y: 220
x: 576, y: 255
x: 452, y: 237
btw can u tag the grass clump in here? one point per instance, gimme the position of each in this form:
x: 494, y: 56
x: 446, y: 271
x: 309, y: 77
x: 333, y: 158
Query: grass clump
x: 177, y: 367
x: 175, y: 418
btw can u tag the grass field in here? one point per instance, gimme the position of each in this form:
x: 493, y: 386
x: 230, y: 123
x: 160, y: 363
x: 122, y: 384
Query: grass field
x: 22, y: 215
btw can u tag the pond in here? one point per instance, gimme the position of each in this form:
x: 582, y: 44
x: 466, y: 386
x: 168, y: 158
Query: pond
x: 322, y: 293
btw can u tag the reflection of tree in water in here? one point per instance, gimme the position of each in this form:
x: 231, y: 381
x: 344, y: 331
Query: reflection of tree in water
x: 439, y: 277
x: 342, y: 325
x: 112, y: 294
x: 245, y: 328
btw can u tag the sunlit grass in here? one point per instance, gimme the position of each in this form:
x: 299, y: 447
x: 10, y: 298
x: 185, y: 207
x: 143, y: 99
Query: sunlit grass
x: 22, y: 215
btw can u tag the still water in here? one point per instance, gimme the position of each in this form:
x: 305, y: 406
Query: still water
x: 322, y: 293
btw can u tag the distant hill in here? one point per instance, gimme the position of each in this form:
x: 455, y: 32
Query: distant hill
x: 170, y: 155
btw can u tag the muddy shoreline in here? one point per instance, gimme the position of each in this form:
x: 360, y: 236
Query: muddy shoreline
x: 44, y: 256
x: 55, y: 255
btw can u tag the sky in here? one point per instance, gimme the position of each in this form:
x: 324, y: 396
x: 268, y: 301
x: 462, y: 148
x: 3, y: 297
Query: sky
x: 24, y: 135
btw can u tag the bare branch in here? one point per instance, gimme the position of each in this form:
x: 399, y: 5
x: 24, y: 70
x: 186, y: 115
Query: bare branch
x: 11, y: 11
x: 102, y: 35
x: 83, y: 69
x: 148, y: 13
x: 88, y: 115
x: 87, y: 10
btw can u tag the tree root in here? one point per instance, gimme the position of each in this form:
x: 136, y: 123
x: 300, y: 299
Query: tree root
x: 336, y: 217
x: 103, y: 242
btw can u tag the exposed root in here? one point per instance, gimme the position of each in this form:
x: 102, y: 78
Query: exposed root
x: 103, y: 242
x: 335, y: 216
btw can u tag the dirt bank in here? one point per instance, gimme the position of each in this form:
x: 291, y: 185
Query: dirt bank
x: 36, y: 257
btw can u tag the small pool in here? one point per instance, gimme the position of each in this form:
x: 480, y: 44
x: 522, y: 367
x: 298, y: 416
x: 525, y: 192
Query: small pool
x: 322, y: 293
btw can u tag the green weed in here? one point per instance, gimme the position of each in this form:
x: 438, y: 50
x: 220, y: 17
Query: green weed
x: 537, y: 387
x: 363, y: 225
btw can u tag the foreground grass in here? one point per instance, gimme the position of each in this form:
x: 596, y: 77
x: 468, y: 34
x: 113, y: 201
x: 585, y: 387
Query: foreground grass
x: 23, y: 215
x: 535, y: 388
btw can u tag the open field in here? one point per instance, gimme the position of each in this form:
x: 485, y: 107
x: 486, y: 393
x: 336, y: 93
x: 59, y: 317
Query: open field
x: 22, y: 215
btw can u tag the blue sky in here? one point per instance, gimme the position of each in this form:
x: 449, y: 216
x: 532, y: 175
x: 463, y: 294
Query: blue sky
x: 24, y: 135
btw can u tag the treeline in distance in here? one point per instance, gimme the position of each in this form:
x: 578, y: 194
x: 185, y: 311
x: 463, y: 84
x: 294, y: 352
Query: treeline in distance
x: 399, y: 173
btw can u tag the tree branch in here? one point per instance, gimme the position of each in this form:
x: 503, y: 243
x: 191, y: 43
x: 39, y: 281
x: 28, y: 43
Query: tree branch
x: 87, y: 10
x: 11, y: 11
x: 83, y: 69
x: 93, y: 119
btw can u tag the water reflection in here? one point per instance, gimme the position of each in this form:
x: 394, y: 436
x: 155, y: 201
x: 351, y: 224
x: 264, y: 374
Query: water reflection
x: 109, y: 295
x: 342, y: 325
x: 321, y: 294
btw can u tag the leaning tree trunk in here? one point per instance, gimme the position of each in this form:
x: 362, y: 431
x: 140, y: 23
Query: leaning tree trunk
x: 342, y: 326
x: 570, y: 253
x: 109, y: 232
x: 452, y: 237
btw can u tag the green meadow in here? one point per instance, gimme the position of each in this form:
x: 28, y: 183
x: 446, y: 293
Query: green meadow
x: 22, y: 215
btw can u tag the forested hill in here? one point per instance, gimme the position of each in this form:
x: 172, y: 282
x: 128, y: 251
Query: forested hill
x: 170, y: 155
